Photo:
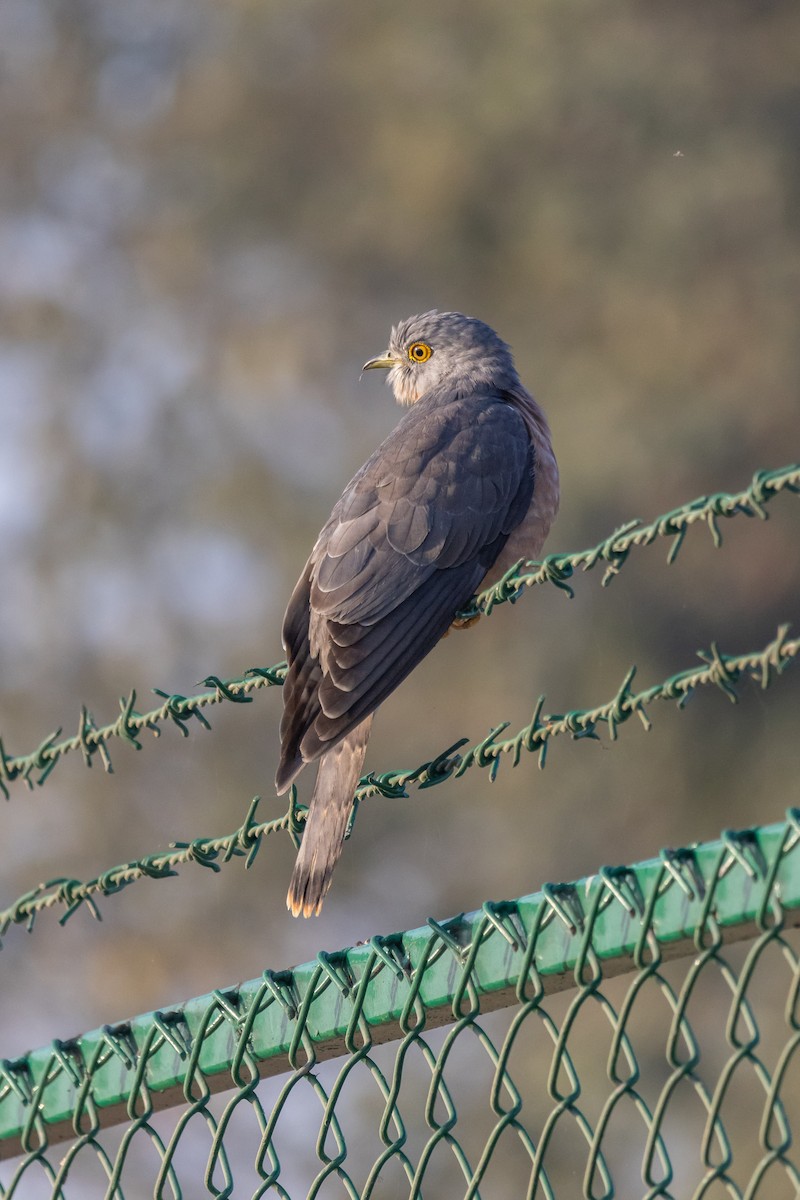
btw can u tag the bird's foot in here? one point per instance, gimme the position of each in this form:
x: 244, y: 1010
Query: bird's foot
x: 464, y: 622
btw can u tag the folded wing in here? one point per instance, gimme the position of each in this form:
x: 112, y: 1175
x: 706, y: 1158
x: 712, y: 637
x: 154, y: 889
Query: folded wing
x: 405, y: 547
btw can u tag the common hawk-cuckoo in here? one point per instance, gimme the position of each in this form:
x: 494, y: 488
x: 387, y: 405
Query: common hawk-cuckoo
x: 464, y: 486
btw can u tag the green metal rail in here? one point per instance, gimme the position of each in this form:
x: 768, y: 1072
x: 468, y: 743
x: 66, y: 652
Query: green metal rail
x: 575, y: 938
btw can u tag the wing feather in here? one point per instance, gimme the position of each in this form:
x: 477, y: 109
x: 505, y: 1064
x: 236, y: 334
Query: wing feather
x: 428, y: 619
x: 406, y: 545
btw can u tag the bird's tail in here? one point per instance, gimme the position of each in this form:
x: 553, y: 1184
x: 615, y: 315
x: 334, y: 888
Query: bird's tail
x: 337, y: 778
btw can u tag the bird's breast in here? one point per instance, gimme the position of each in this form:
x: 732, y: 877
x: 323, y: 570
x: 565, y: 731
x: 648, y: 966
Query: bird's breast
x: 528, y: 539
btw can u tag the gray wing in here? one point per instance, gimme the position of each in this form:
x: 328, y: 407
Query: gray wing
x: 405, y: 547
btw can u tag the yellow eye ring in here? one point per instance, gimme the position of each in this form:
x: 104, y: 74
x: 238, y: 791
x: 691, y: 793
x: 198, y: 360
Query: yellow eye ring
x: 419, y: 352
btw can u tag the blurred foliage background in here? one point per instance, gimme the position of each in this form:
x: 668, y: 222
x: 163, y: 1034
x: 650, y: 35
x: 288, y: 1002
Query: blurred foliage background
x: 211, y: 213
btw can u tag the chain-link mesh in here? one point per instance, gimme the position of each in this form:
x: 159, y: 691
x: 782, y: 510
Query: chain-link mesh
x: 630, y: 1035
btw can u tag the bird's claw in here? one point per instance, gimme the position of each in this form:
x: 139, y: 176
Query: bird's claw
x: 464, y: 622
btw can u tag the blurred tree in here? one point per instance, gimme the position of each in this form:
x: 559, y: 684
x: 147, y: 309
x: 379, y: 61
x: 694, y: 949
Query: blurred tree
x: 209, y: 216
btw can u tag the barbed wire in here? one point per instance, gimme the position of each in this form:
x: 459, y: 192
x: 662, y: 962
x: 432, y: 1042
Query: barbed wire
x: 35, y: 767
x: 720, y: 670
x: 615, y: 549
x: 91, y: 739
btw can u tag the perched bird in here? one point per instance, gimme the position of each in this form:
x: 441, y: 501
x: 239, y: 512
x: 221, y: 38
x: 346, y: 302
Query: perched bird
x: 464, y: 486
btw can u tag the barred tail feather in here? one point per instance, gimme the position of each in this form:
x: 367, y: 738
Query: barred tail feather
x: 337, y: 779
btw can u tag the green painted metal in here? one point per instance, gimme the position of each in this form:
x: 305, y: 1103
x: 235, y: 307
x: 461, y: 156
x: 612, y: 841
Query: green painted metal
x: 616, y: 921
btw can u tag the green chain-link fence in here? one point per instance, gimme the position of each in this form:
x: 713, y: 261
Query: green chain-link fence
x: 639, y: 1052
x: 630, y: 1035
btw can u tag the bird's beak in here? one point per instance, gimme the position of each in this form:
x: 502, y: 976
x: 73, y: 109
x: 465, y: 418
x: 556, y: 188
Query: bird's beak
x: 384, y: 360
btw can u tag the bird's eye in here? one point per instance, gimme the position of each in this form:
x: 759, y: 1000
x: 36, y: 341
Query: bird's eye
x: 419, y: 352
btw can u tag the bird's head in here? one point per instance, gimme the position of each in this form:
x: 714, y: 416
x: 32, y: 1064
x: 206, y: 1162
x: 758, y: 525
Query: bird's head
x: 444, y: 348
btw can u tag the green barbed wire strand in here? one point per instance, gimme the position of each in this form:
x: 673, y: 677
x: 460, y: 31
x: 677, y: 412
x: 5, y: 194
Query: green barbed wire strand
x: 720, y: 670
x: 614, y: 550
x: 91, y: 739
